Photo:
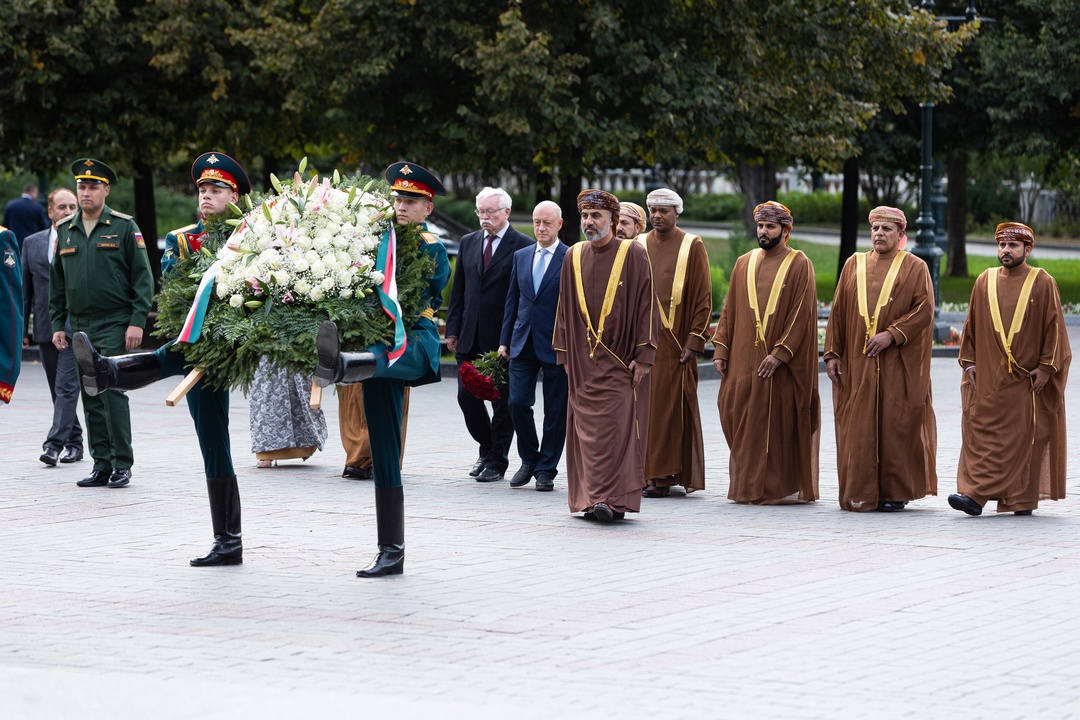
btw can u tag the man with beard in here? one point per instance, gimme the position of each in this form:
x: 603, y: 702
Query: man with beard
x: 219, y: 180
x: 474, y: 319
x: 675, y: 452
x: 1014, y: 416
x: 632, y: 221
x: 765, y: 350
x: 605, y: 337
x: 877, y: 355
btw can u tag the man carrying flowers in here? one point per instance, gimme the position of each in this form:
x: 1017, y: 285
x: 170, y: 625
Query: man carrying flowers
x: 386, y: 371
x: 220, y: 181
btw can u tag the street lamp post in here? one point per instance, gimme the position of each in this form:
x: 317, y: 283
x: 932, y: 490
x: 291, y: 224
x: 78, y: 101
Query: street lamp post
x: 925, y: 247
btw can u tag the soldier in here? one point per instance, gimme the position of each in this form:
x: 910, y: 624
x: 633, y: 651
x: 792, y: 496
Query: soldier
x: 220, y: 180
x: 11, y: 309
x: 101, y: 276
x: 413, y: 189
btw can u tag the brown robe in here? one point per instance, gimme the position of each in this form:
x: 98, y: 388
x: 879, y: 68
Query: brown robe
x: 675, y: 452
x: 1013, y: 439
x: 886, y: 432
x: 773, y: 426
x: 607, y: 418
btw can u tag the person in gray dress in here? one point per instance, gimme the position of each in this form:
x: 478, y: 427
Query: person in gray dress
x: 283, y: 425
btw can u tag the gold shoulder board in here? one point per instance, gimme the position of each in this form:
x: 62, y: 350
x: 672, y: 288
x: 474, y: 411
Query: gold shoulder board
x: 120, y: 214
x: 428, y: 237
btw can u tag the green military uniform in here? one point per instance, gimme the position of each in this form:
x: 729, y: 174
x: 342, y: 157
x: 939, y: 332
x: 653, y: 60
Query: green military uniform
x: 11, y: 313
x: 103, y: 279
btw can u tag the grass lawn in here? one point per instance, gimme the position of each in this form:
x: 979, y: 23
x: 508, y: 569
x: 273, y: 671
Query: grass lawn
x: 723, y: 253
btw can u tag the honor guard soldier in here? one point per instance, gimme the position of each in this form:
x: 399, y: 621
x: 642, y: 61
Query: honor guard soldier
x: 11, y: 313
x: 101, y: 276
x: 413, y: 189
x: 220, y: 180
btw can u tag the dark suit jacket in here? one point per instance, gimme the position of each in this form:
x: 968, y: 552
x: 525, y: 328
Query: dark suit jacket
x: 24, y: 217
x: 35, y: 257
x: 529, y: 312
x: 478, y: 297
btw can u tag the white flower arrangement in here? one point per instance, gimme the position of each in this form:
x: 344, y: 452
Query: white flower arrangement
x: 306, y: 242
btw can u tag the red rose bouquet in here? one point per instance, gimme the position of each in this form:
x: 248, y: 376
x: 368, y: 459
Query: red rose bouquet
x: 483, y: 377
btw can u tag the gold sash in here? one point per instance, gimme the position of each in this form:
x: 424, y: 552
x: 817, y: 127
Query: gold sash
x: 1018, y: 314
x: 595, y: 334
x: 761, y: 324
x: 678, y: 283
x: 883, y: 296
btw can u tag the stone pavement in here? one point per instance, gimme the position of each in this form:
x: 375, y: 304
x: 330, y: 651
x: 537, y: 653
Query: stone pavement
x: 510, y: 607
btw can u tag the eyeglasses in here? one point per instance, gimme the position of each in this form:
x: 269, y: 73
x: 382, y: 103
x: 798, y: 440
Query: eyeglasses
x: 489, y: 213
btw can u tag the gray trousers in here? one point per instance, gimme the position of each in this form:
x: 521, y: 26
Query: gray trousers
x: 64, y: 387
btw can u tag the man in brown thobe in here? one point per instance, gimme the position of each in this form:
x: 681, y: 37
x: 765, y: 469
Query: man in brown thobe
x: 877, y: 354
x: 765, y: 350
x: 605, y: 337
x: 675, y: 451
x: 1013, y: 426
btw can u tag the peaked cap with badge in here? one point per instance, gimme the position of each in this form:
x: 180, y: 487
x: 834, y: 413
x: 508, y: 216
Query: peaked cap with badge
x: 411, y: 180
x: 91, y: 170
x: 219, y: 169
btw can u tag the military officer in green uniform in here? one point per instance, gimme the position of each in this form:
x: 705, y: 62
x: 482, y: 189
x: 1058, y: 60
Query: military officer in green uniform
x: 220, y: 180
x: 413, y: 189
x: 101, y: 276
x: 11, y: 313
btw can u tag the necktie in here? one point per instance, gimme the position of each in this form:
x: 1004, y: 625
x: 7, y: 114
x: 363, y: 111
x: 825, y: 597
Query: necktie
x: 538, y: 270
x: 487, y: 250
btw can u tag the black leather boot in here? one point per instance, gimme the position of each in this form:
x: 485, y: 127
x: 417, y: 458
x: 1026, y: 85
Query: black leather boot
x: 390, y: 516
x: 123, y: 372
x: 336, y: 367
x: 225, y: 516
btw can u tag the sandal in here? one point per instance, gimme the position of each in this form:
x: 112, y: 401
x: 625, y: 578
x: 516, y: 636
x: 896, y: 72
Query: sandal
x: 652, y: 491
x: 264, y: 464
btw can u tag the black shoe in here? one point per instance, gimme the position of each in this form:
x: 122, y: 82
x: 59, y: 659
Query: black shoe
x: 490, y: 475
x: 71, y: 454
x: 357, y: 473
x: 119, y: 477
x: 522, y: 476
x: 477, y: 468
x: 619, y: 515
x: 50, y: 456
x: 891, y: 505
x: 1023, y: 513
x: 97, y: 478
x: 545, y: 482
x: 964, y: 504
x: 389, y: 561
x: 225, y: 551
x: 603, y: 513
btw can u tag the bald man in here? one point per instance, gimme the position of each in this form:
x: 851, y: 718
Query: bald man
x: 528, y: 324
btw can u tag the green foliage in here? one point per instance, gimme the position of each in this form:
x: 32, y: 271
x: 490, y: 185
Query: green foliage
x: 718, y: 276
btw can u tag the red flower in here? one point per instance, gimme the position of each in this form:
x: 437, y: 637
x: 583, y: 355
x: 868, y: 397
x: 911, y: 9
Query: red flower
x: 480, y: 386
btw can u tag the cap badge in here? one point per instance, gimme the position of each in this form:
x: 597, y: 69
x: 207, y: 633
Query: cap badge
x: 212, y: 159
x: 405, y: 170
x: 88, y: 163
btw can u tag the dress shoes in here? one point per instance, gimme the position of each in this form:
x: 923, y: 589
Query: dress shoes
x: 357, y: 473
x: 477, y: 468
x: 389, y: 561
x: 891, y: 505
x: 964, y: 504
x: 1023, y: 513
x: 522, y: 476
x: 71, y: 454
x: 97, y: 478
x: 490, y: 475
x: 50, y: 456
x: 119, y: 477
x: 545, y: 482
x: 603, y: 513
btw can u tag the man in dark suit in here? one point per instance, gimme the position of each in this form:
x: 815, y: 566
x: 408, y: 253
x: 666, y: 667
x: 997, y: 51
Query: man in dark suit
x: 65, y: 440
x: 24, y: 216
x: 474, y: 321
x: 528, y: 325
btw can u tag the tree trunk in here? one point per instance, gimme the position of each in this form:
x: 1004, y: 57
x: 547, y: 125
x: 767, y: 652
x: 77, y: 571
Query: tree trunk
x: 849, y: 214
x: 569, y: 187
x: 956, y: 214
x: 757, y: 182
x: 542, y: 185
x: 146, y: 212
